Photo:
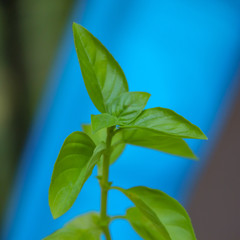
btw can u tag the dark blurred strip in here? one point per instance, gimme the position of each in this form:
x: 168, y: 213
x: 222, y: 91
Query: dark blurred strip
x: 214, y: 208
x: 18, y: 88
x: 30, y: 32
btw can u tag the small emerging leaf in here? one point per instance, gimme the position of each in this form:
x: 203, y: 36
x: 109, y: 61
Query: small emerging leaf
x: 166, y: 121
x: 117, y: 146
x: 85, y: 227
x: 74, y: 165
x: 122, y: 110
x: 97, y: 137
x: 150, y: 139
x: 128, y: 106
x: 102, y: 75
x: 103, y: 120
x: 169, y: 212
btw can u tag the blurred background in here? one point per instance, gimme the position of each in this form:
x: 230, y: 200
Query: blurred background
x: 185, y: 53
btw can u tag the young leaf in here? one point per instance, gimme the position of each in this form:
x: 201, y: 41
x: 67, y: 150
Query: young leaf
x: 102, y: 75
x: 97, y: 137
x: 74, y: 165
x: 169, y: 212
x: 103, y: 120
x: 128, y: 106
x: 167, y: 122
x: 122, y: 110
x: 85, y: 227
x: 149, y: 139
x: 117, y: 146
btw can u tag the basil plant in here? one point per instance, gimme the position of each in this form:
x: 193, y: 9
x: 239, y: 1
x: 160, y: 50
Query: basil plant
x: 122, y: 120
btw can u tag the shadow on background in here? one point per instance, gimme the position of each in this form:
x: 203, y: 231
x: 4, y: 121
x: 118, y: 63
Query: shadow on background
x: 214, y: 206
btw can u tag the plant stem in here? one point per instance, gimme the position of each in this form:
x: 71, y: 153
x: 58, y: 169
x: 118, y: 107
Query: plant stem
x: 105, y: 185
x: 118, y: 217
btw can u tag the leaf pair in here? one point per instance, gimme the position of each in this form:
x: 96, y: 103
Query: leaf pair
x: 156, y: 128
x: 156, y: 216
x: 107, y: 87
x: 105, y: 81
x: 121, y: 111
x: 159, y: 120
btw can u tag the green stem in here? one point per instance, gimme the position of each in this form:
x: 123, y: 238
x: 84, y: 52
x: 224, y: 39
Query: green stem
x: 105, y: 185
x: 118, y: 217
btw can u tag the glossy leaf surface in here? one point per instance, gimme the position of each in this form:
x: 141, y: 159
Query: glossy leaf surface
x: 85, y: 227
x: 167, y: 122
x: 74, y: 165
x: 102, y: 75
x: 128, y: 106
x: 150, y: 139
x: 169, y: 212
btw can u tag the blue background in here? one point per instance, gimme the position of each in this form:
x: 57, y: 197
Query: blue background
x: 185, y: 53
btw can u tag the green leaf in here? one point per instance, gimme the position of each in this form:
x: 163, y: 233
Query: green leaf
x: 103, y: 120
x: 74, y: 165
x: 166, y: 121
x: 149, y: 139
x: 85, y: 227
x: 168, y: 211
x: 122, y: 110
x: 102, y: 75
x: 147, y: 211
x: 128, y: 106
x: 142, y: 225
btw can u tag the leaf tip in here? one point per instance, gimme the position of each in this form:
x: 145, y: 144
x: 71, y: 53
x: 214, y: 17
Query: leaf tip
x: 74, y: 25
x: 202, y: 135
x: 194, y: 157
x: 149, y: 94
x: 55, y: 214
x: 205, y: 137
x: 54, y: 208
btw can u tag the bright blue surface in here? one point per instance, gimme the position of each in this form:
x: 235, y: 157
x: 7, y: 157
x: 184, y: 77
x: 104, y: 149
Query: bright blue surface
x: 185, y: 53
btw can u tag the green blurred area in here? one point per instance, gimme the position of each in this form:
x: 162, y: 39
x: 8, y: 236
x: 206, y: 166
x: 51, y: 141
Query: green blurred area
x: 30, y: 32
